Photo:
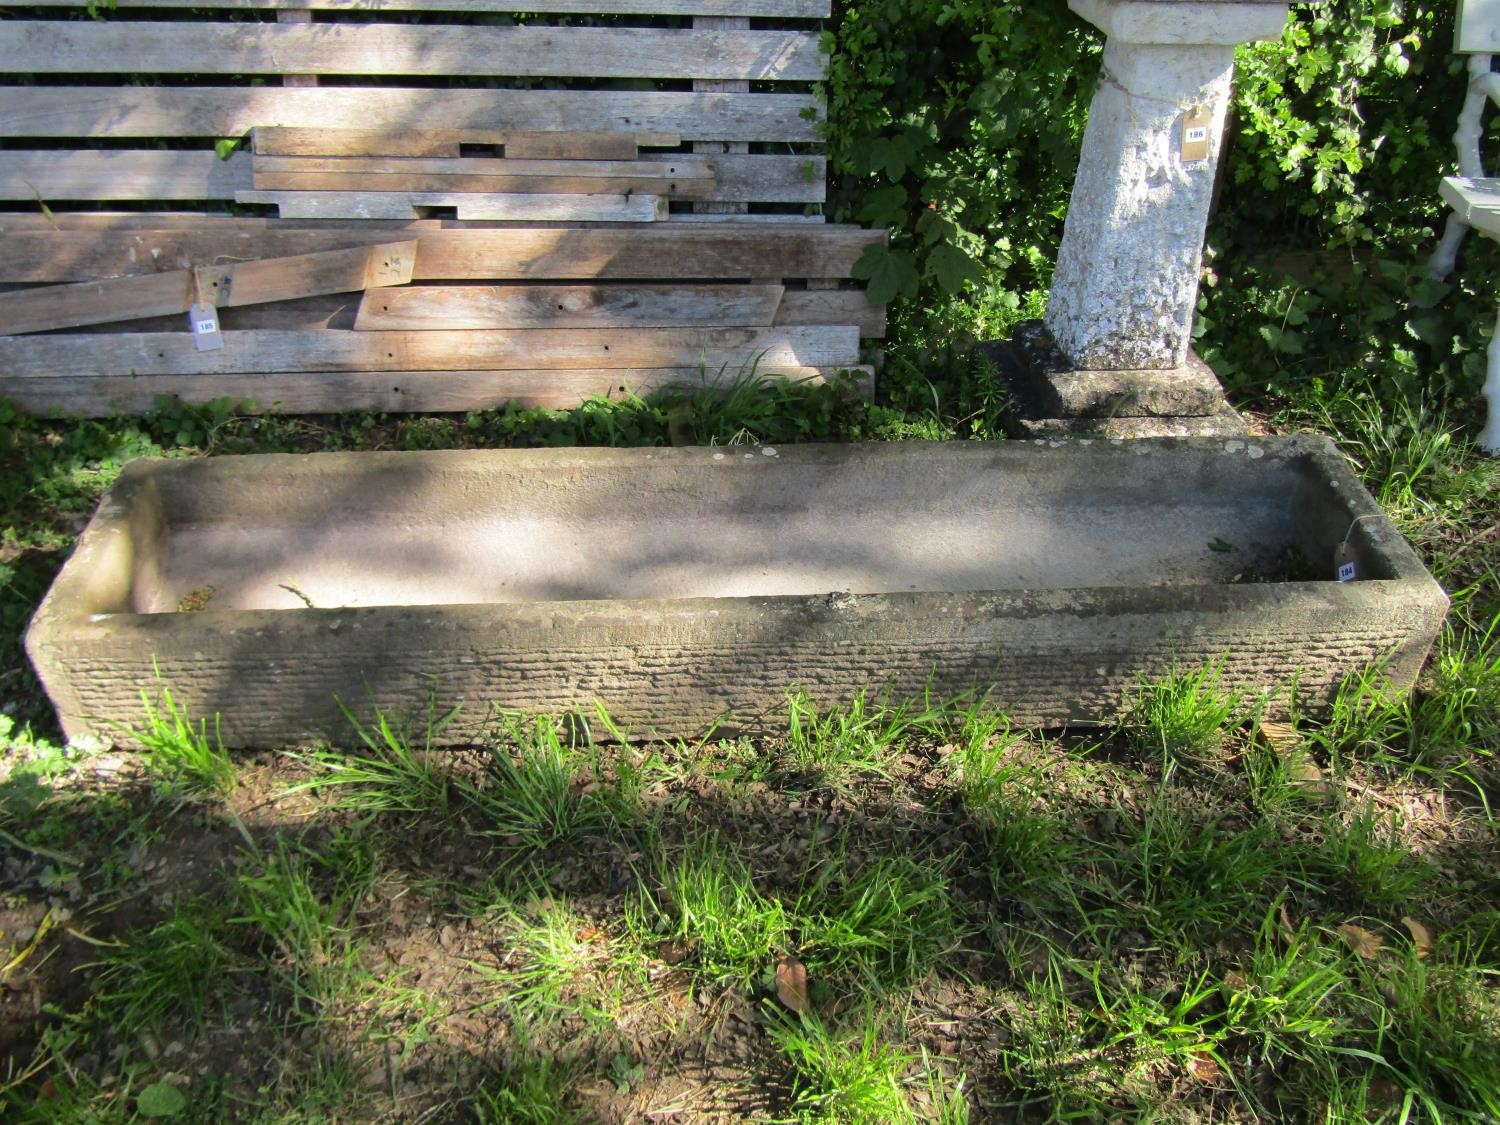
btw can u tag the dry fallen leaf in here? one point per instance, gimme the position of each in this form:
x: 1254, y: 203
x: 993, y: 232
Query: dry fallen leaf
x: 1306, y: 776
x: 1235, y: 980
x: 1421, y: 937
x: 1361, y: 940
x: 1288, y: 931
x: 791, y: 984
x: 1204, y: 1068
x: 1278, y: 735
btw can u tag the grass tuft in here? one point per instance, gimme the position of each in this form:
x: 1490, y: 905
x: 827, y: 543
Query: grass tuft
x: 180, y: 753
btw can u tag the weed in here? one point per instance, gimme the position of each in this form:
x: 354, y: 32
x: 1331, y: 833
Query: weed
x: 563, y: 967
x: 172, y: 971
x: 180, y: 753
x: 848, y: 1075
x: 529, y: 1094
x: 708, y: 902
x: 888, y: 923
x: 392, y: 778
x: 833, y: 748
x: 532, y: 795
x: 311, y: 930
x: 1185, y: 713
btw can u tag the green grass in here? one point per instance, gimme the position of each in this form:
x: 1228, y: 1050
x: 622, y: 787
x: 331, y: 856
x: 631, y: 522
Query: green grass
x: 852, y: 1074
x: 181, y: 753
x: 1151, y: 922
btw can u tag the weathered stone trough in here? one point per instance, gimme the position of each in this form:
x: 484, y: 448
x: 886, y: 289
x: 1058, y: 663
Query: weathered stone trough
x: 682, y: 586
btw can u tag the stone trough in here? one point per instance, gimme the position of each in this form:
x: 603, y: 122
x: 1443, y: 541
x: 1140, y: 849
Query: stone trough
x: 680, y: 587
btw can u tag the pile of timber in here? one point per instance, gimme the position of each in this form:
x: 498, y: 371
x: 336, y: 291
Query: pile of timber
x: 439, y: 227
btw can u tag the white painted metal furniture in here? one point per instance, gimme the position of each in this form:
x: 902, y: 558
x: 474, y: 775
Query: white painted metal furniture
x: 1475, y: 197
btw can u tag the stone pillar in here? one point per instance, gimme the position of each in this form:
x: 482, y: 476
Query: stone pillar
x: 1126, y: 281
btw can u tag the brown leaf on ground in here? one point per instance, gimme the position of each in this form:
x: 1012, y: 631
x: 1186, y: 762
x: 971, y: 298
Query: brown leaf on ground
x: 1236, y: 980
x: 791, y: 984
x: 1421, y: 937
x: 1306, y: 775
x: 1204, y: 1067
x: 1278, y: 735
x: 675, y: 952
x: 1284, y: 920
x: 1361, y: 940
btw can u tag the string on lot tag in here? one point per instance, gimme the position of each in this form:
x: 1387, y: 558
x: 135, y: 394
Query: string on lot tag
x: 1343, y: 555
x: 203, y: 315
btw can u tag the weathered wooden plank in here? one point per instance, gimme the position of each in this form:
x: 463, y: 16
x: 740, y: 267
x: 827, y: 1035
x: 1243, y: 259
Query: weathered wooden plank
x: 725, y: 23
x: 685, y: 178
x: 243, y: 283
x: 791, y: 9
x: 831, y: 306
x: 425, y: 308
x: 667, y: 168
x: 592, y: 145
x: 767, y: 178
x: 84, y: 248
x: 296, y: 15
x: 798, y: 306
x: 438, y: 50
x: 743, y: 217
x: 208, y: 111
x: 533, y: 208
x: 406, y: 391
x: 173, y: 353
x: 120, y: 174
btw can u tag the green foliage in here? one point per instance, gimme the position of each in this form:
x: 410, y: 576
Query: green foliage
x: 180, y: 753
x: 957, y: 124
x: 1330, y: 208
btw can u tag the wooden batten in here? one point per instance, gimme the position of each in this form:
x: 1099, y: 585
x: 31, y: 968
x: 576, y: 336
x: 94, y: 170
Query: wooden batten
x: 513, y: 207
x: 247, y: 283
x: 404, y: 391
x: 268, y: 352
x: 83, y: 247
x: 425, y: 308
x: 232, y: 111
x: 787, y: 9
x: 449, y: 143
x: 430, y: 50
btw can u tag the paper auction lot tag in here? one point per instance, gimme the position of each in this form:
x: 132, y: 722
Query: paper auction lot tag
x: 1195, y: 139
x: 203, y: 319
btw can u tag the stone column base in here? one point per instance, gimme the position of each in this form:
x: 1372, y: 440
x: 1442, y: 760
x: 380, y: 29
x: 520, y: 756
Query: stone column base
x: 1048, y: 396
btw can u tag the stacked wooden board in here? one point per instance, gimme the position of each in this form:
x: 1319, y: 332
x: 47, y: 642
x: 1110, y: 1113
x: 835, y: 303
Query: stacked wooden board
x: 581, y: 206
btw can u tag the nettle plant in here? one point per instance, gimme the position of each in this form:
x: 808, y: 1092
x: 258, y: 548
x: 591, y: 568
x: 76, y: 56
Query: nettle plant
x: 956, y: 124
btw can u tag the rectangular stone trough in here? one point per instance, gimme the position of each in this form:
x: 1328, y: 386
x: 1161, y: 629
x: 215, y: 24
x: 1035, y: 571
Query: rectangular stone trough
x: 680, y: 587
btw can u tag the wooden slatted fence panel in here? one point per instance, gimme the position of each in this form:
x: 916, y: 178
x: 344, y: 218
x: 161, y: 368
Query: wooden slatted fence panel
x: 732, y: 276
x: 785, y: 9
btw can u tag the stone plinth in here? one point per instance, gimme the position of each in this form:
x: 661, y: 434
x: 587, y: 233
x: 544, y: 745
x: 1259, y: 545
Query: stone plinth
x: 679, y: 587
x: 1126, y: 282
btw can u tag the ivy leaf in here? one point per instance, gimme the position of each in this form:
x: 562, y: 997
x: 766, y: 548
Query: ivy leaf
x: 161, y: 1099
x: 888, y: 273
x: 951, y: 268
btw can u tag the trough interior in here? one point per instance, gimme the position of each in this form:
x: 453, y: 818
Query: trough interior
x: 334, y: 531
